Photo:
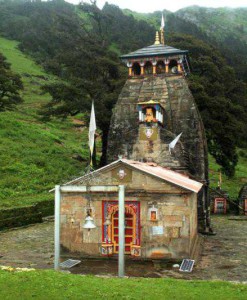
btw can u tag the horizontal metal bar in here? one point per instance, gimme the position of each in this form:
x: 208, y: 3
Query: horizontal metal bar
x: 86, y: 189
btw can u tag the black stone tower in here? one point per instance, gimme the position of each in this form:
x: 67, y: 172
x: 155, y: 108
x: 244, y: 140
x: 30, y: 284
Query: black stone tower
x: 153, y: 108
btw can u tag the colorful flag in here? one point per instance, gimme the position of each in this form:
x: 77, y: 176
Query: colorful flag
x: 174, y: 142
x: 92, y: 129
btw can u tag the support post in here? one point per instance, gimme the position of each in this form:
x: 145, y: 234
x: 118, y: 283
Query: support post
x: 142, y: 70
x: 57, y: 227
x: 121, y: 231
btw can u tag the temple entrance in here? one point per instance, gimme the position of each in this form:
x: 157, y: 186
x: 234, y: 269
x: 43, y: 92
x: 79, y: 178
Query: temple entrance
x: 129, y: 231
x: 110, y: 237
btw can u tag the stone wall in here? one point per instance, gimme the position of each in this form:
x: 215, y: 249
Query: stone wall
x: 176, y: 212
x: 181, y: 115
x: 21, y: 216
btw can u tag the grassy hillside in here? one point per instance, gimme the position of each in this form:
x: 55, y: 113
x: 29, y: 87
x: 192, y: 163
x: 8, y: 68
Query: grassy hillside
x: 222, y: 22
x: 232, y: 185
x: 35, y: 155
x: 55, y: 285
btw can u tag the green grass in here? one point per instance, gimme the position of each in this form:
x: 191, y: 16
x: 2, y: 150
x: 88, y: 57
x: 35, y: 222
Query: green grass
x: 35, y: 155
x: 231, y: 185
x: 53, y: 285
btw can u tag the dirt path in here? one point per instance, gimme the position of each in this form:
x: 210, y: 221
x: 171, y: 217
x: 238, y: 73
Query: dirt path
x: 224, y: 256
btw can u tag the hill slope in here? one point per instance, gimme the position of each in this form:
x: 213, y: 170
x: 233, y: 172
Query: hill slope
x: 35, y: 155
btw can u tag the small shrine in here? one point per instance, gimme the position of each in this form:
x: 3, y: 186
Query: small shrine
x: 151, y: 112
x: 242, y: 199
x: 160, y: 213
x: 219, y: 201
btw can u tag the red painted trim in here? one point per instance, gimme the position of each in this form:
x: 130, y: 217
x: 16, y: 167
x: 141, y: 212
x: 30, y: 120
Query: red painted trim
x: 138, y: 216
x: 217, y: 200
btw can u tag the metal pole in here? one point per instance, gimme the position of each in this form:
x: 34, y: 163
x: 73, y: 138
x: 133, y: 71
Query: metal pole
x: 121, y: 231
x: 57, y: 227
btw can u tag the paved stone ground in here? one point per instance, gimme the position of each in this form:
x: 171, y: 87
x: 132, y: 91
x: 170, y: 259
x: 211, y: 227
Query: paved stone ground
x: 30, y: 246
x: 224, y: 255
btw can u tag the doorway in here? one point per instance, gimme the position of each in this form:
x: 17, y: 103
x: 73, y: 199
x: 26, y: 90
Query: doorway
x: 132, y: 224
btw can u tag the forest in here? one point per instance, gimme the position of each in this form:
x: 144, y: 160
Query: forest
x: 81, y: 46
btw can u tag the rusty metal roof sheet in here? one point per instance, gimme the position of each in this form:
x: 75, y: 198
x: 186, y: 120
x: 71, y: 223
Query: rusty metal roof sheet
x: 166, y: 174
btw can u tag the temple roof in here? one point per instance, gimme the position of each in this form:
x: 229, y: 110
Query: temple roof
x: 152, y: 169
x: 154, y: 50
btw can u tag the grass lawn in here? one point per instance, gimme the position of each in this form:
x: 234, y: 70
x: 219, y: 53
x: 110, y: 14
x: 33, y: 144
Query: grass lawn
x: 52, y: 285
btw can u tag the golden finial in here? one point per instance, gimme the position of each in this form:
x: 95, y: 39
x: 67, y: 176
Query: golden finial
x: 157, y: 38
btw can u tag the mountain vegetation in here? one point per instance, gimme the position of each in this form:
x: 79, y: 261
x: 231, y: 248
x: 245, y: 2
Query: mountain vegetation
x: 10, y: 85
x: 226, y: 28
x: 35, y: 155
x: 78, y: 49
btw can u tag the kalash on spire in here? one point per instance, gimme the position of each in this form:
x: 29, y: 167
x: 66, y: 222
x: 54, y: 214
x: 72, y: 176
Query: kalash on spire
x: 160, y: 36
x: 156, y: 106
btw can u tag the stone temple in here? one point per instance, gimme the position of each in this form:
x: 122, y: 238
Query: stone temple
x: 157, y: 149
x: 157, y: 83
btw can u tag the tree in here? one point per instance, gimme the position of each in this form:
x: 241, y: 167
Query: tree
x: 10, y: 85
x: 91, y: 73
x: 220, y: 97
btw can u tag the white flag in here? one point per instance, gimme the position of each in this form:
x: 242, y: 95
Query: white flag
x: 92, y: 129
x: 174, y: 142
x: 162, y: 22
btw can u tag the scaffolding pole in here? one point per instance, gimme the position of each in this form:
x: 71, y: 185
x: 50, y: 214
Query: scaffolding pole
x: 121, y: 231
x: 57, y: 227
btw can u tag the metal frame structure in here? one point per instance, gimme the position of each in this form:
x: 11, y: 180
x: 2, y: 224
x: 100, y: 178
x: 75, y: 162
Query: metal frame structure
x: 84, y: 189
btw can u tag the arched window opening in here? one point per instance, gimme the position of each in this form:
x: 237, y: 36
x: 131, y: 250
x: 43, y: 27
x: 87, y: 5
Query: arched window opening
x: 148, y: 68
x: 160, y: 68
x: 173, y: 66
x: 136, y: 69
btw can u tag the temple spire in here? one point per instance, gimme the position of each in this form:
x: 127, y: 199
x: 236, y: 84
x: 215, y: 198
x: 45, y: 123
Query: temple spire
x: 162, y: 30
x: 157, y: 38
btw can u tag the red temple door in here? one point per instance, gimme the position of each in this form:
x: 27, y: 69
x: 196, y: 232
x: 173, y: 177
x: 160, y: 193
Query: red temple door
x: 129, y: 231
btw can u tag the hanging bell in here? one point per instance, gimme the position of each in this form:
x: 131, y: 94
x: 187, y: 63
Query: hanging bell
x: 89, y: 223
x: 108, y: 221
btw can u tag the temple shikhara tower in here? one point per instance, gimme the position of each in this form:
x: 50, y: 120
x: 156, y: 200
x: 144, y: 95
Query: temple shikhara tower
x: 157, y: 149
x: 153, y: 108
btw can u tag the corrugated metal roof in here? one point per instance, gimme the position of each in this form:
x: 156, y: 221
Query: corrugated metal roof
x: 154, y: 170
x: 154, y: 50
x: 166, y: 174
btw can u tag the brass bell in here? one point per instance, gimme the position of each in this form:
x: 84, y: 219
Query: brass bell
x: 89, y: 223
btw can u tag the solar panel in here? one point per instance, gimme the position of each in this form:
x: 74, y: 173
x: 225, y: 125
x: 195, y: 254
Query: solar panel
x: 69, y: 263
x: 187, y: 265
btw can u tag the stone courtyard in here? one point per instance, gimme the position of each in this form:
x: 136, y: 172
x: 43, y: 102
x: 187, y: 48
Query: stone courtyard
x: 224, y: 255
